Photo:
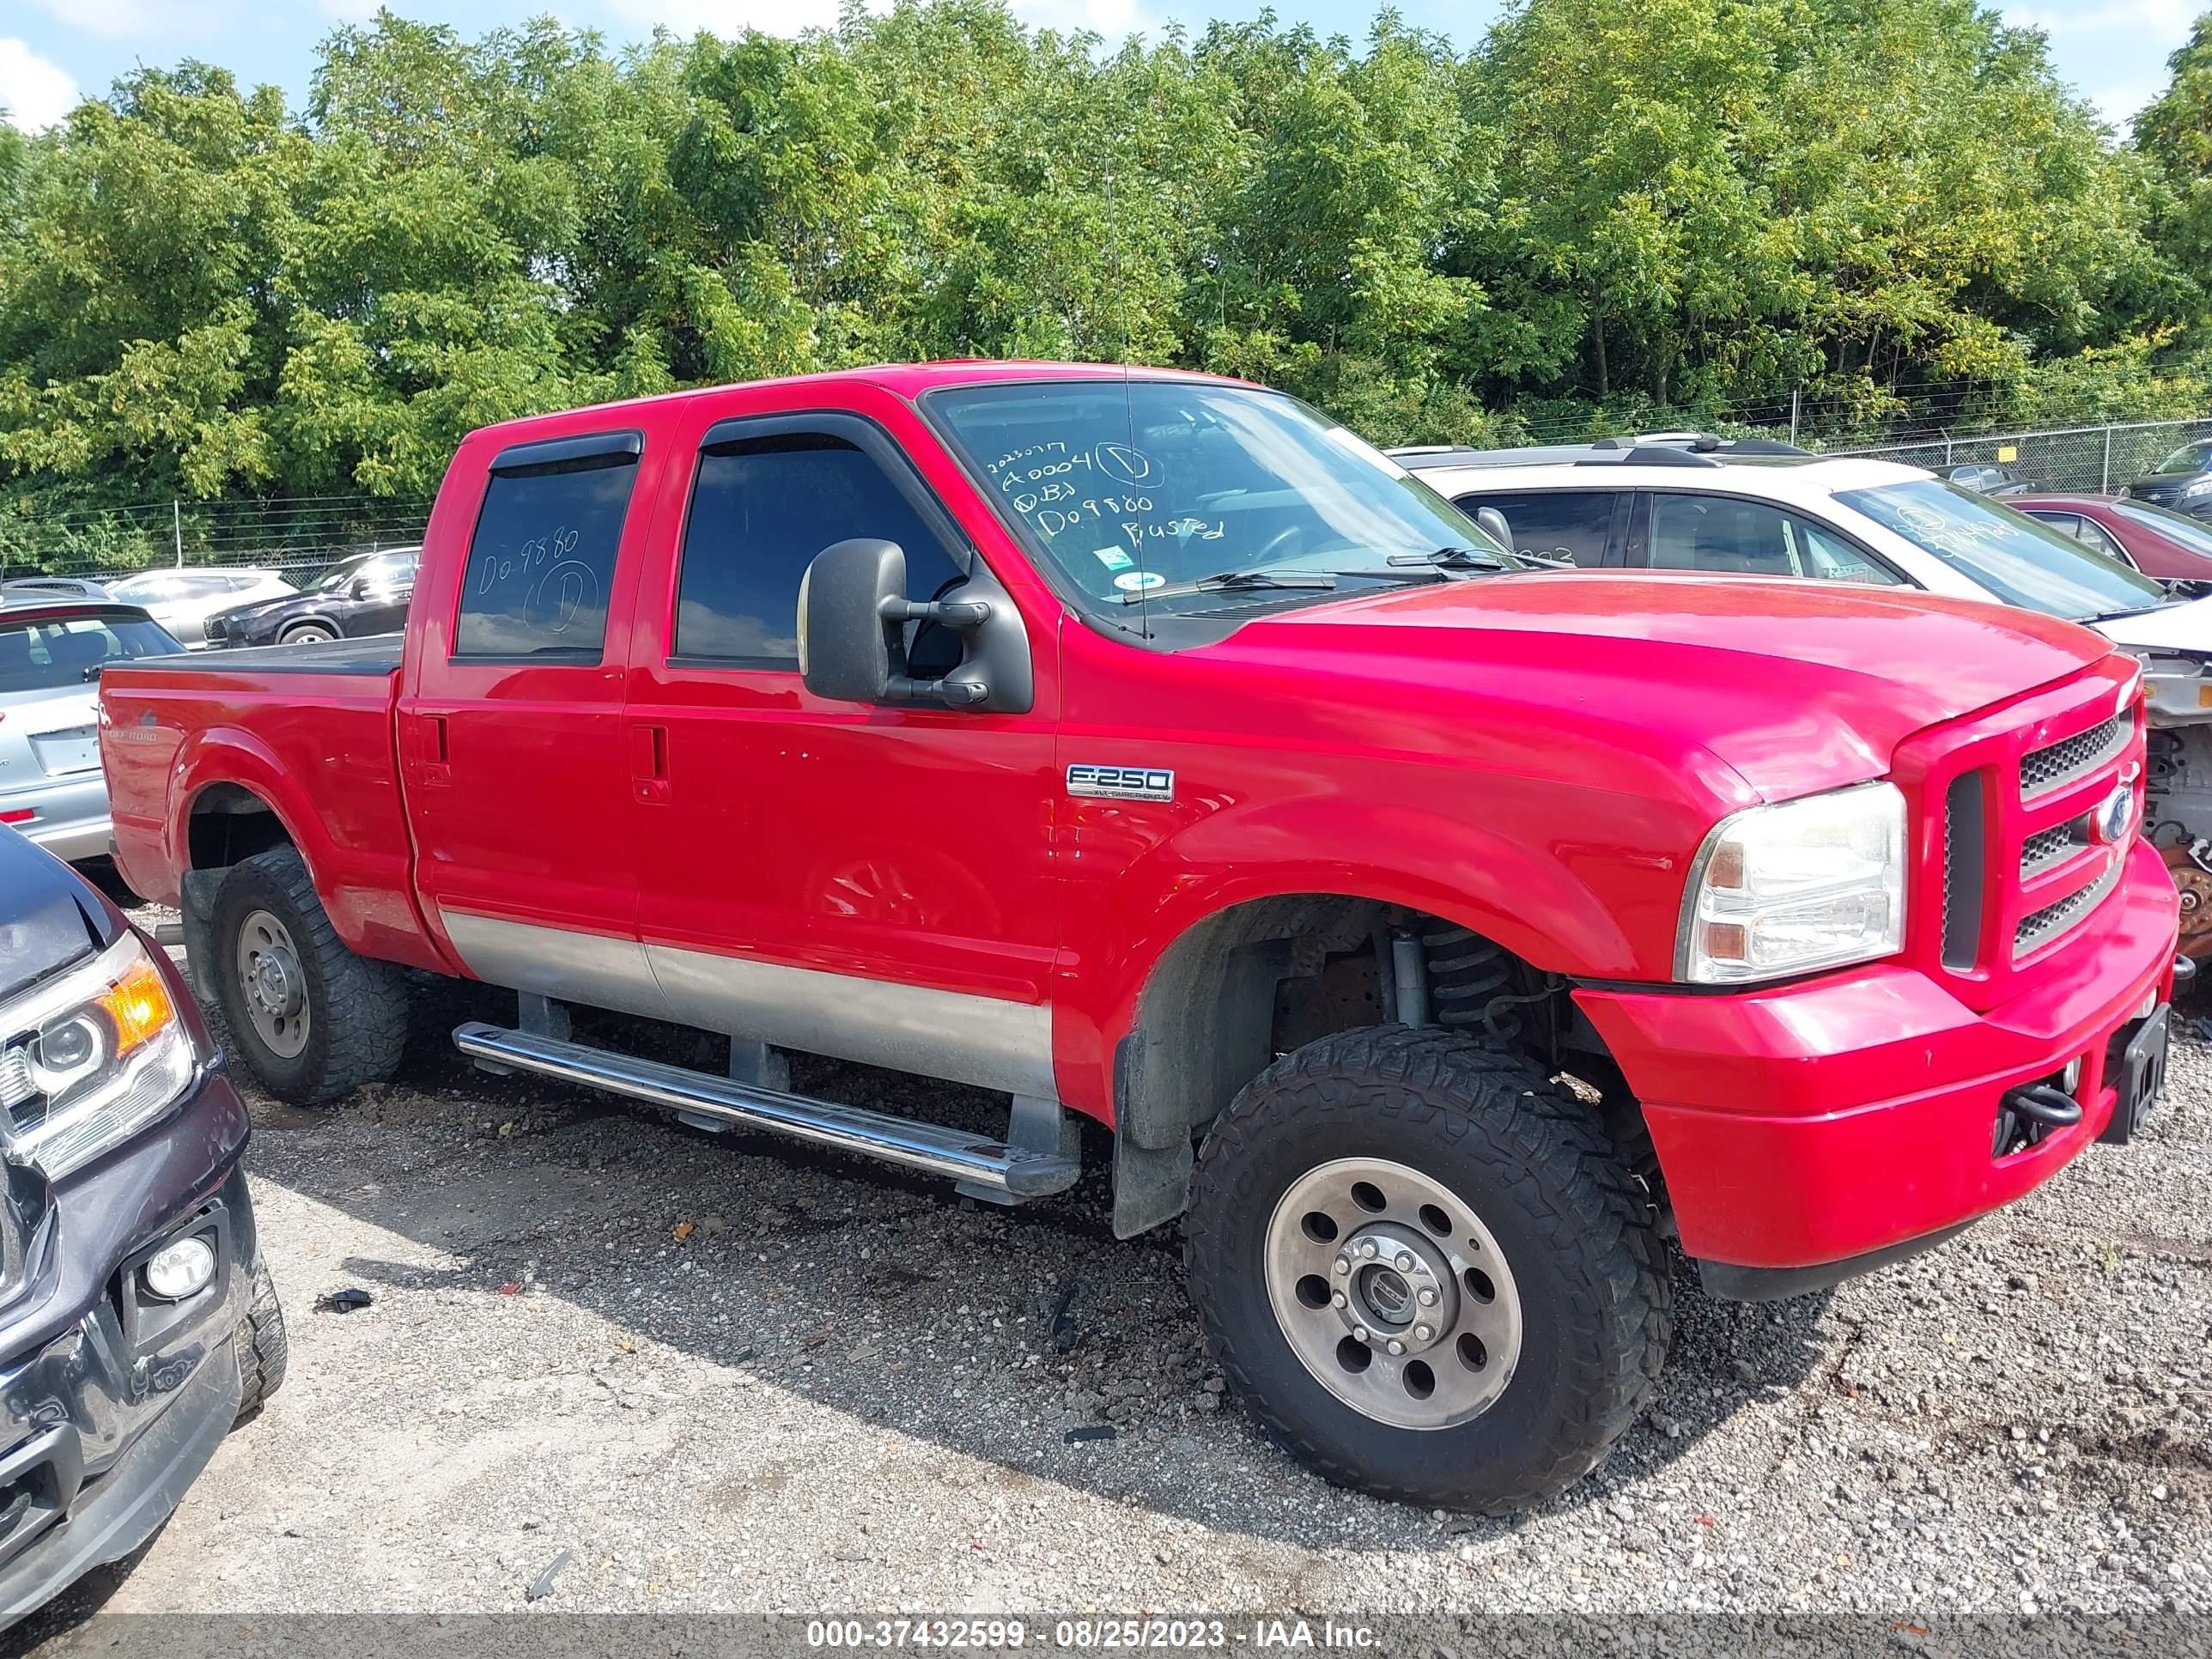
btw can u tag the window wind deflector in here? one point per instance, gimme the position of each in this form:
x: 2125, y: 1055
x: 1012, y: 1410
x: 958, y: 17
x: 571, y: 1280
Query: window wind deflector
x: 567, y: 454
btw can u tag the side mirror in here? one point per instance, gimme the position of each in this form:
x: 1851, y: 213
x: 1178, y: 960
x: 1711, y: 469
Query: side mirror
x: 852, y: 612
x: 847, y: 650
x: 1494, y: 521
x: 358, y: 588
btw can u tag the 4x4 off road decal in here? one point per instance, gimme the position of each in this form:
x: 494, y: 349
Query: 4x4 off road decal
x: 1121, y: 782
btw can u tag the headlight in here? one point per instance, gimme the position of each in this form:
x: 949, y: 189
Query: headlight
x: 2201, y: 487
x: 1801, y: 885
x: 90, y: 1059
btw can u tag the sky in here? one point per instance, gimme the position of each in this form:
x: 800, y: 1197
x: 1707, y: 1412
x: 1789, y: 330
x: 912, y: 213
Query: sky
x: 53, y: 52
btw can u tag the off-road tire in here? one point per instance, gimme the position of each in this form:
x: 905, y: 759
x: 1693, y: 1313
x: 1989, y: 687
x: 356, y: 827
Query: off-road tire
x: 357, y: 1008
x: 1534, y: 1163
x: 262, y: 1347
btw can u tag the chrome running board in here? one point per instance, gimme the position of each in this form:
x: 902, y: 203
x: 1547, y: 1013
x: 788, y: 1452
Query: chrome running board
x: 972, y: 1160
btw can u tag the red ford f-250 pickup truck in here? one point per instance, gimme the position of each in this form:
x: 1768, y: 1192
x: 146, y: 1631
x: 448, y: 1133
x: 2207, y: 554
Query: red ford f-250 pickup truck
x: 1431, y: 932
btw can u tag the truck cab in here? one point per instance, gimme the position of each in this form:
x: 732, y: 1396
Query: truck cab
x: 1434, y: 934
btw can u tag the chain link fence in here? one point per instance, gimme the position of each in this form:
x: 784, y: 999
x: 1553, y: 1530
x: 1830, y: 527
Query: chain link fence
x: 302, y: 536
x: 2082, y: 460
x: 298, y: 536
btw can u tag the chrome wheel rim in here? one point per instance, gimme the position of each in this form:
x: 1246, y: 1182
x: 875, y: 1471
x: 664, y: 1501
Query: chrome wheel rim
x: 273, y: 986
x: 1393, y: 1293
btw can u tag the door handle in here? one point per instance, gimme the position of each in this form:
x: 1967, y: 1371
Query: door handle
x: 431, y: 769
x: 650, y: 763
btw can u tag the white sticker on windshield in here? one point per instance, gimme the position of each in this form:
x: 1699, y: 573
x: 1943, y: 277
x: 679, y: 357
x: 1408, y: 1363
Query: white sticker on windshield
x: 1113, y: 558
x: 1139, y: 581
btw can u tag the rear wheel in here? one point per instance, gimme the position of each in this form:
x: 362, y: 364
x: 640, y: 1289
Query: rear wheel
x: 311, y: 1020
x: 1427, y: 1270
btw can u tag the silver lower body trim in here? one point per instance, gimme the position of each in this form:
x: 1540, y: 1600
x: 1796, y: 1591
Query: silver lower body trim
x: 987, y: 1042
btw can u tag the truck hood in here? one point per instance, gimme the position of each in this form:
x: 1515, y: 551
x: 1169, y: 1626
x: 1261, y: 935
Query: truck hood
x: 1797, y: 685
x: 49, y: 918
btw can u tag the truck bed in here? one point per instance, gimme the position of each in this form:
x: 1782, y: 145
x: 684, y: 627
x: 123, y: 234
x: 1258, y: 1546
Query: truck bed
x: 195, y: 745
x: 378, y: 654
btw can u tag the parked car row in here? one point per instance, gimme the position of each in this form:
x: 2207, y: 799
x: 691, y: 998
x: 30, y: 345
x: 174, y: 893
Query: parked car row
x: 366, y: 593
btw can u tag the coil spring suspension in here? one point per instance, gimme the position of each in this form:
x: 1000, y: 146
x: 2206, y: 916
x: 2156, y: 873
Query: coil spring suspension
x: 1468, y: 974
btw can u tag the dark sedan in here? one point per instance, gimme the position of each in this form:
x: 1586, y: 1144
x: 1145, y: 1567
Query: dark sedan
x: 2155, y: 540
x: 363, y: 595
x: 137, y: 1323
x: 2183, y: 480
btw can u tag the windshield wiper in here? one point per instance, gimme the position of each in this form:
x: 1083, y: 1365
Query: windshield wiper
x: 2125, y: 611
x: 1233, y: 582
x: 1454, y: 558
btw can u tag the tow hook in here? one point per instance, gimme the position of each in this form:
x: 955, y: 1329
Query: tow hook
x: 2029, y: 1113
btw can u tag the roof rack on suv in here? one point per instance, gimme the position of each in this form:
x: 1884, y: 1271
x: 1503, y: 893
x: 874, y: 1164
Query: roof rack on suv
x: 1712, y: 443
x: 1646, y: 449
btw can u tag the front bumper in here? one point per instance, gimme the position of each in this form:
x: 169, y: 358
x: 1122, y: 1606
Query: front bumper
x: 1848, y: 1116
x: 110, y: 1401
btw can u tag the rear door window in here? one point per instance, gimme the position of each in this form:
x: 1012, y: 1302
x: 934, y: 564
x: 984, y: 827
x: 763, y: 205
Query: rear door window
x: 1563, y: 527
x: 542, y: 563
x: 1728, y: 536
x: 760, y: 510
x: 50, y: 655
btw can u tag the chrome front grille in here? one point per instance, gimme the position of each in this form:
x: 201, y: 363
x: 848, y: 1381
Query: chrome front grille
x: 2044, y: 770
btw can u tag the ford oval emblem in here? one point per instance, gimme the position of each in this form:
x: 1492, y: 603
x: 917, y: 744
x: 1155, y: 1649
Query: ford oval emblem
x: 2111, y: 818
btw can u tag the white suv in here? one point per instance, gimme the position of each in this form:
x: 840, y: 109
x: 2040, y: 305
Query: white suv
x: 1673, y: 502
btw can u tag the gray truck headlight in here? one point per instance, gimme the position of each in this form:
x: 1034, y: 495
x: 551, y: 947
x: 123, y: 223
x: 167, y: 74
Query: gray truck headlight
x: 1798, y: 886
x: 90, y: 1058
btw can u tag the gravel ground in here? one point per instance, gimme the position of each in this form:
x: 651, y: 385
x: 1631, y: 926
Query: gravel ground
x: 720, y: 1375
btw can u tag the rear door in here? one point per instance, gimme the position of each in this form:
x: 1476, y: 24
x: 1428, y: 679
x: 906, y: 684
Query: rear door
x: 510, y: 727
x: 872, y: 883
x: 1736, y: 536
x: 380, y: 606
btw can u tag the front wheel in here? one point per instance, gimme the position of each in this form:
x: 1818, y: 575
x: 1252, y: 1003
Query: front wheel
x: 1426, y: 1269
x: 308, y: 634
x: 311, y: 1020
x: 260, y: 1344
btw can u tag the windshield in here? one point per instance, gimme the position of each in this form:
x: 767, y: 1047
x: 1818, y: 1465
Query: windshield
x: 1132, y: 486
x: 2189, y: 457
x: 64, y: 651
x: 2022, y: 561
x: 340, y: 575
x: 2192, y: 533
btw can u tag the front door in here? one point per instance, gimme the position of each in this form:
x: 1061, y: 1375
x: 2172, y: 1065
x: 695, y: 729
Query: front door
x: 510, y: 727
x: 872, y: 882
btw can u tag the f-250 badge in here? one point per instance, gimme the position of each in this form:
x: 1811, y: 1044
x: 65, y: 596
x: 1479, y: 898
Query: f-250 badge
x: 1121, y: 782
